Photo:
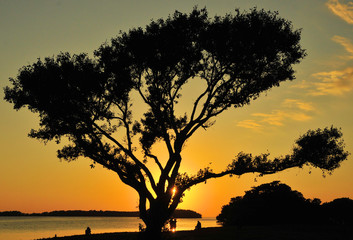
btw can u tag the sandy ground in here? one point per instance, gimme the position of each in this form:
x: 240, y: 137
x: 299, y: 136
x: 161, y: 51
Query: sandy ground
x: 280, y: 232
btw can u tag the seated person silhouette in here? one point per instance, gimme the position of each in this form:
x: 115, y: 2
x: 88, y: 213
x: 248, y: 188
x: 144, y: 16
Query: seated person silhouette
x: 88, y: 231
x: 198, y: 225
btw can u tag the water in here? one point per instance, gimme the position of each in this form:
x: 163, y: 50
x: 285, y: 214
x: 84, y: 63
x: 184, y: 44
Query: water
x: 29, y: 228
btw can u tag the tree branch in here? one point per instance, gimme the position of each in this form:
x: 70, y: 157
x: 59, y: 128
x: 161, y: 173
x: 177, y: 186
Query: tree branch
x: 155, y: 159
x: 197, y: 102
x: 124, y: 119
x: 130, y: 154
x: 245, y: 163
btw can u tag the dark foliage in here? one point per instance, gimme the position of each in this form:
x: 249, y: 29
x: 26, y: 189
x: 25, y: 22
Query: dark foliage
x: 181, y: 213
x: 321, y: 148
x: 339, y: 211
x: 11, y: 213
x: 276, y: 203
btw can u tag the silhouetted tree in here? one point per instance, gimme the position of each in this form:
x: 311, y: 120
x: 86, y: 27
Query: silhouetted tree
x: 89, y: 101
x: 339, y: 211
x: 270, y: 203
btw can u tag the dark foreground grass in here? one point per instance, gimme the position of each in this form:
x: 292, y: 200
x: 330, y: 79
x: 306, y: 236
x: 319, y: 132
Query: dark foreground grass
x: 278, y: 232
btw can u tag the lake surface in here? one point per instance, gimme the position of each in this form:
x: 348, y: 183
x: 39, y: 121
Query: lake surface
x: 29, y: 228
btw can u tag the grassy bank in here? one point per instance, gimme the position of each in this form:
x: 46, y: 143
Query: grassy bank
x: 280, y: 232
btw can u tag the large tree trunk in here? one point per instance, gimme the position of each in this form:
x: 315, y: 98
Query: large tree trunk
x: 155, y: 219
x: 154, y: 225
x: 152, y: 232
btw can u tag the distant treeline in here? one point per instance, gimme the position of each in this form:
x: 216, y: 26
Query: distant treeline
x: 179, y: 213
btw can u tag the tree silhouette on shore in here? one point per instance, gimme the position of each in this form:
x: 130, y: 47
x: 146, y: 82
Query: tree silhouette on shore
x: 88, y: 101
x: 276, y: 203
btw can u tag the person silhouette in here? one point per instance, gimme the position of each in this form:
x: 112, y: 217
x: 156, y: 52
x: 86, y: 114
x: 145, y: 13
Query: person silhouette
x: 172, y: 224
x: 88, y: 231
x: 198, y: 225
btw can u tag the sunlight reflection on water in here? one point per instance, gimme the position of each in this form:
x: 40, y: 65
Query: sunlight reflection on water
x: 27, y: 228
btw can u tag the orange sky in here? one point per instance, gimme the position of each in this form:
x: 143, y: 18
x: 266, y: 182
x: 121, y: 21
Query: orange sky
x: 32, y: 179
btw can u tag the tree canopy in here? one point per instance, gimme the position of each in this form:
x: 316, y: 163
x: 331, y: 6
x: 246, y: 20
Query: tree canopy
x: 276, y: 203
x: 89, y: 100
x: 270, y: 203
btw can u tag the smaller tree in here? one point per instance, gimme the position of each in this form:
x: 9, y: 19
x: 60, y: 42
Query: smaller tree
x: 339, y: 211
x: 271, y: 203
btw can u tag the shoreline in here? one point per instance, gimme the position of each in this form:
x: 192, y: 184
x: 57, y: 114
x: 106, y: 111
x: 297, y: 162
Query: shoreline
x: 178, y: 213
x: 273, y: 232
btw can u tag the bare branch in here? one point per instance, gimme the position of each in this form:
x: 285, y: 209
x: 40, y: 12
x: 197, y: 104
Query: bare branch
x: 197, y: 102
x: 155, y: 159
x: 130, y: 154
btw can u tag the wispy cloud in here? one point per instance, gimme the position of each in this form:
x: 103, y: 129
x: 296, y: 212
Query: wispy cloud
x: 334, y: 82
x: 337, y: 82
x: 274, y: 118
x: 302, y: 85
x: 344, y: 11
x: 295, y: 103
x: 278, y: 117
x: 346, y: 43
x: 249, y: 124
x: 291, y: 110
